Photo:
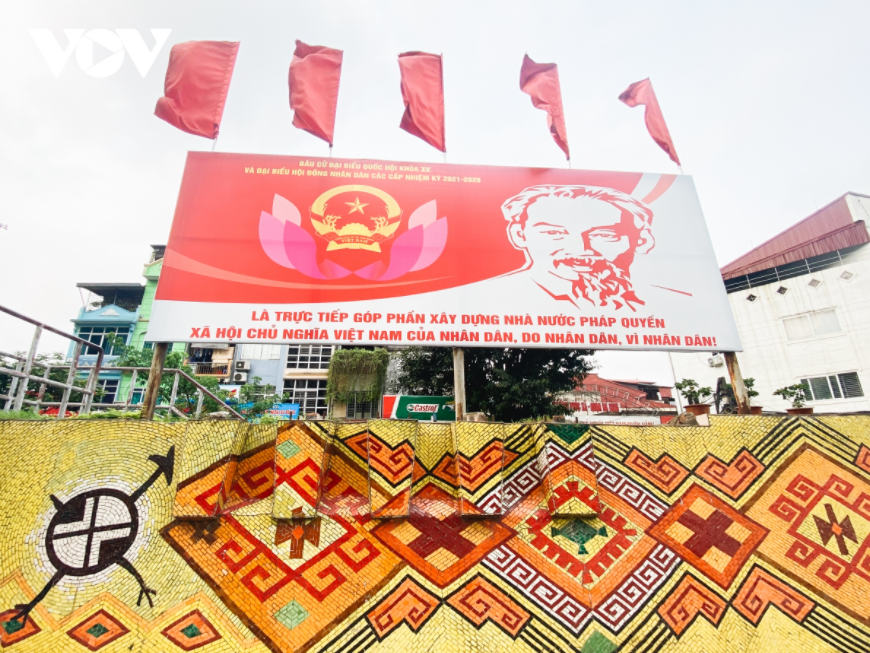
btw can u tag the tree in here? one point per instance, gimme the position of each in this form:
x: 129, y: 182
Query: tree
x: 186, y: 394
x: 507, y: 384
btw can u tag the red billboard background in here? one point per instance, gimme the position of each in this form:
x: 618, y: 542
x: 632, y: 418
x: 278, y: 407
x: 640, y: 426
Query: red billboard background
x: 214, y: 253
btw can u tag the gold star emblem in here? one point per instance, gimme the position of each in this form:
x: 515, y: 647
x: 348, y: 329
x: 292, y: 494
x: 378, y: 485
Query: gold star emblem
x: 356, y: 205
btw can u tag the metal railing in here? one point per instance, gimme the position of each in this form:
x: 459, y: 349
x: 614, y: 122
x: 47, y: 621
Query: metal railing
x: 787, y: 271
x: 22, y: 374
x: 211, y: 369
x: 177, y: 376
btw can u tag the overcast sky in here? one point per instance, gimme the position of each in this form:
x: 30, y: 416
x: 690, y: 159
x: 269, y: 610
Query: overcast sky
x: 766, y: 103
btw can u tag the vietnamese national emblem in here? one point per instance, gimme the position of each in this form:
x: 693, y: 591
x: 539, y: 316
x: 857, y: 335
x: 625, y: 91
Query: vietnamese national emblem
x: 360, y: 218
x: 355, y: 217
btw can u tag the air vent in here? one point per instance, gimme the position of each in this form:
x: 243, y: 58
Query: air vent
x: 751, y: 298
x: 782, y: 290
x: 814, y: 283
x: 847, y: 276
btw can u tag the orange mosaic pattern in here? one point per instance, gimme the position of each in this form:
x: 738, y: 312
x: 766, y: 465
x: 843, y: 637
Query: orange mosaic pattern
x: 219, y: 537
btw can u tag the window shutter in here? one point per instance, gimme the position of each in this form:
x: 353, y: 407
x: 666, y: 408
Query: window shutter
x: 851, y: 385
x: 821, y: 389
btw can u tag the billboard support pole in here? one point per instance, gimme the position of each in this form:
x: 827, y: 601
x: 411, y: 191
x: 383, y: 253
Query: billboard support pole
x: 152, y: 389
x: 459, y: 382
x: 740, y: 393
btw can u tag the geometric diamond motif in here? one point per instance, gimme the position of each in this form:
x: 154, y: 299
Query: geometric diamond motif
x: 569, y: 434
x: 709, y: 534
x: 288, y: 449
x: 437, y: 540
x: 12, y: 631
x: 192, y: 631
x: 98, y: 630
x: 292, y: 614
x: 822, y: 514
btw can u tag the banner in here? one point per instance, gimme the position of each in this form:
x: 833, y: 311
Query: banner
x: 275, y: 249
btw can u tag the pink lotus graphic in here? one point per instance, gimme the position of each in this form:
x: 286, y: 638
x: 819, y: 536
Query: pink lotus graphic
x: 289, y: 245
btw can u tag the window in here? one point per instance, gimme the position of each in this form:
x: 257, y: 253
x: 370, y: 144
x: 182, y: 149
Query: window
x: 846, y: 276
x: 362, y: 409
x: 751, y: 298
x: 110, y: 391
x: 836, y: 386
x: 260, y: 392
x: 310, y: 394
x: 809, y: 325
x: 782, y: 290
x: 260, y: 352
x: 309, y: 357
x: 97, y: 335
x: 814, y: 283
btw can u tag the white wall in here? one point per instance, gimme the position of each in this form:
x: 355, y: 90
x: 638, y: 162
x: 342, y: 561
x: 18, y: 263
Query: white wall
x: 774, y: 361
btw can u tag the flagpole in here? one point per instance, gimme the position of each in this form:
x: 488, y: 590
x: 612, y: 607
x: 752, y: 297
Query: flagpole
x: 214, y: 143
x: 444, y: 110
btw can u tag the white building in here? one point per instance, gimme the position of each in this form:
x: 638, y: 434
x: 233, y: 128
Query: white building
x: 802, y: 305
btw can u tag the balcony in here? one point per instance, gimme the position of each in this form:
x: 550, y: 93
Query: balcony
x: 211, y: 369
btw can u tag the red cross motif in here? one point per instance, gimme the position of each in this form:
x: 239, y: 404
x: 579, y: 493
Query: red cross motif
x: 709, y: 533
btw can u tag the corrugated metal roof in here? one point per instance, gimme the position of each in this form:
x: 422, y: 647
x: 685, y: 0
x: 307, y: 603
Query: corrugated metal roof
x: 830, y: 228
x: 848, y: 236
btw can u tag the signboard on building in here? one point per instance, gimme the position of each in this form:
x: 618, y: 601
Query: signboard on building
x: 273, y: 249
x: 284, y: 411
x: 420, y: 408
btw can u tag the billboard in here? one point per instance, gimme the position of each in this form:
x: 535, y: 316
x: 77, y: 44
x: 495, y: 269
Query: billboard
x: 420, y: 408
x: 276, y: 249
x: 284, y: 411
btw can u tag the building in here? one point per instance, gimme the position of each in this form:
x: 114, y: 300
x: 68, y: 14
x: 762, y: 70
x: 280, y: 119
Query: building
x: 598, y: 399
x: 801, y: 301
x: 125, y: 309
x: 297, y: 371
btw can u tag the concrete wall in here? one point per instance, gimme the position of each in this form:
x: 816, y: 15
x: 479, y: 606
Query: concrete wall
x: 749, y: 535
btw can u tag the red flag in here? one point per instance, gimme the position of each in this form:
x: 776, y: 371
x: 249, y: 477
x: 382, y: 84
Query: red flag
x: 314, y: 75
x: 196, y: 86
x: 541, y: 81
x: 423, y: 93
x: 642, y: 93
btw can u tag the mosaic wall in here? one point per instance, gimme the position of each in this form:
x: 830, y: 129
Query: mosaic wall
x: 750, y: 535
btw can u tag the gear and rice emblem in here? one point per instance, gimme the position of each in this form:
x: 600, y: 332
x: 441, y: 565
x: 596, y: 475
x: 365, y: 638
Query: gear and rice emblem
x: 355, y: 217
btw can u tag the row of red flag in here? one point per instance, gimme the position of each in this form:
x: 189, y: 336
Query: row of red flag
x: 199, y: 73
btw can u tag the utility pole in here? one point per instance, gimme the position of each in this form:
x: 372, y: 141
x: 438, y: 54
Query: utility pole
x: 740, y: 393
x: 152, y: 389
x: 459, y: 382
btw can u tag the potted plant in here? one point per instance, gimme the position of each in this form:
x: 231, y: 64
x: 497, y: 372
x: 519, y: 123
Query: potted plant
x: 797, y: 395
x: 749, y: 384
x: 695, y: 396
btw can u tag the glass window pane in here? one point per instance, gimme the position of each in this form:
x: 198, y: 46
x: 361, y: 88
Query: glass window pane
x: 835, y: 386
x: 825, y: 322
x: 798, y: 328
x: 851, y: 385
x: 821, y: 389
x: 806, y: 382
